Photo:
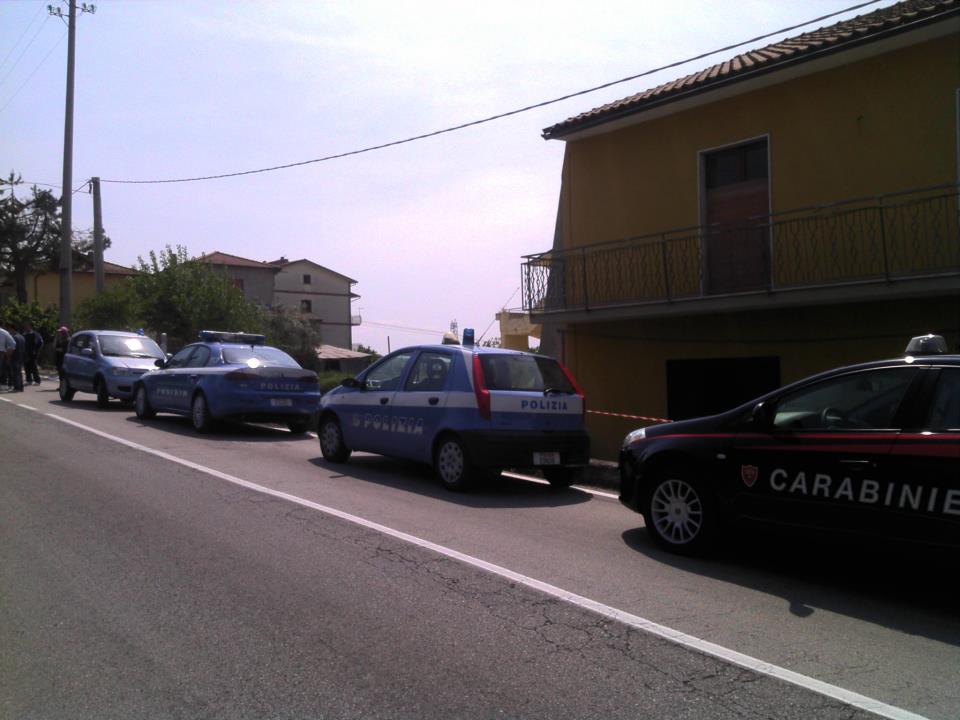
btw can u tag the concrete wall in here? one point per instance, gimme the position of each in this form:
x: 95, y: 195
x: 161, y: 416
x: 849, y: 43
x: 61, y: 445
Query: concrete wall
x: 329, y: 295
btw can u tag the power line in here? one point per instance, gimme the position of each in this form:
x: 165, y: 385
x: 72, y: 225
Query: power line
x: 24, y: 84
x: 391, y: 326
x: 20, y: 56
x: 22, y: 35
x: 499, y: 116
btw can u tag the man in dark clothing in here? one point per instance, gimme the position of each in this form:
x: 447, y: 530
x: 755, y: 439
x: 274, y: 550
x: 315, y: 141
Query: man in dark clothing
x: 16, y: 366
x: 34, y: 343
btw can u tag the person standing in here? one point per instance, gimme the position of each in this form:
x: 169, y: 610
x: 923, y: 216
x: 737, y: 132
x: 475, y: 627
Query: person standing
x: 34, y: 343
x: 7, y: 347
x: 16, y: 367
x: 61, y: 344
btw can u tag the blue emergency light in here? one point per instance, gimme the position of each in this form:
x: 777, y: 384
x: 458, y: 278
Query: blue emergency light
x: 468, y: 337
x: 232, y: 337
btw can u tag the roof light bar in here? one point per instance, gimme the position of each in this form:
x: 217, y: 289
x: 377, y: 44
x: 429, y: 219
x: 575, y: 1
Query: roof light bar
x: 232, y: 337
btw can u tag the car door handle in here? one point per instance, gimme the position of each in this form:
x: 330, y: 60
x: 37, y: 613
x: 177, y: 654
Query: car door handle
x: 384, y: 401
x: 861, y: 464
x: 434, y: 400
x: 194, y: 378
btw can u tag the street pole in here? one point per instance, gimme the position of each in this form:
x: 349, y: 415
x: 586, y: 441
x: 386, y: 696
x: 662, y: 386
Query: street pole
x: 66, y: 200
x: 66, y: 245
x: 97, y: 235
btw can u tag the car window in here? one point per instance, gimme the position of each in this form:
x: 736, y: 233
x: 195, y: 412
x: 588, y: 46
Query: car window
x: 79, y: 342
x: 138, y: 347
x: 200, y: 357
x: 181, y: 358
x: 945, y: 412
x: 866, y: 400
x: 257, y: 355
x: 429, y: 372
x: 524, y: 372
x: 386, y: 375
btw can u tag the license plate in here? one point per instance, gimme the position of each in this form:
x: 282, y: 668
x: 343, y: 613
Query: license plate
x: 281, y: 402
x: 546, y: 458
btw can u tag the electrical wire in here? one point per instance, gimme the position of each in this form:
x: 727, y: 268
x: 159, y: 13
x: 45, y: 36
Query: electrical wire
x: 39, y: 65
x: 20, y: 56
x: 403, y: 328
x: 491, y: 118
x: 22, y: 35
x: 495, y: 317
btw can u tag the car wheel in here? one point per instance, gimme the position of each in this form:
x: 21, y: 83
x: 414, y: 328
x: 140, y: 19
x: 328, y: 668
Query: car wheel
x: 298, y: 427
x: 680, y: 513
x: 200, y: 414
x: 561, y: 476
x: 141, y: 404
x: 66, y: 392
x: 331, y: 440
x: 451, y: 464
x: 100, y: 388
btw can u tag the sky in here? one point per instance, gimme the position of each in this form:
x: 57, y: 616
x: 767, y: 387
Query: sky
x: 433, y: 230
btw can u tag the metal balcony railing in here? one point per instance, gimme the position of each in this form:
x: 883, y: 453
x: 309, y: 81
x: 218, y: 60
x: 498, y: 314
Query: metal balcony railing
x: 907, y: 235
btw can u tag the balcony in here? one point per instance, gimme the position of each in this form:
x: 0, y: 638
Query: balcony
x: 899, y: 245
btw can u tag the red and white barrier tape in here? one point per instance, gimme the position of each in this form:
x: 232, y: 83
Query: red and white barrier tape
x: 629, y: 417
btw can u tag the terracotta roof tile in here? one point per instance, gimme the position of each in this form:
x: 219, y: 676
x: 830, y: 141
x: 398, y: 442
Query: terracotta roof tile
x: 855, y: 29
x: 222, y: 258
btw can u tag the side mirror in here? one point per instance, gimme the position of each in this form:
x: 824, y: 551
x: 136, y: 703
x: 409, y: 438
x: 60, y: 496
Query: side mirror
x: 86, y: 352
x: 352, y: 383
x: 762, y: 416
x: 159, y: 362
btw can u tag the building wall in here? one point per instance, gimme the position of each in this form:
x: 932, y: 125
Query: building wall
x: 329, y: 295
x: 837, y: 134
x: 45, y: 287
x: 257, y: 282
x: 622, y: 366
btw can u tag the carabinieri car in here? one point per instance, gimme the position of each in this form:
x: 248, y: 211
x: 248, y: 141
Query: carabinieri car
x: 230, y: 376
x: 467, y: 410
x: 867, y: 449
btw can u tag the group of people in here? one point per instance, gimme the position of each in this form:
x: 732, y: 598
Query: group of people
x: 20, y: 353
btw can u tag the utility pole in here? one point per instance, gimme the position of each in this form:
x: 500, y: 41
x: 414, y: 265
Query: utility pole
x: 66, y: 236
x: 97, y: 235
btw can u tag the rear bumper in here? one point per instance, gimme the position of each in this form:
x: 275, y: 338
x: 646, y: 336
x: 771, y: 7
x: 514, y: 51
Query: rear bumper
x: 516, y: 448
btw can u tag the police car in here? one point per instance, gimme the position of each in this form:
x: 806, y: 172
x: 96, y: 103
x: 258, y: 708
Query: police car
x: 106, y: 363
x: 867, y: 449
x: 469, y: 411
x: 229, y: 376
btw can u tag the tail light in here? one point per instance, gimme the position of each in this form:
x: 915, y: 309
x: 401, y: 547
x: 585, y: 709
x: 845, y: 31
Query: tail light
x: 480, y: 388
x: 577, y: 389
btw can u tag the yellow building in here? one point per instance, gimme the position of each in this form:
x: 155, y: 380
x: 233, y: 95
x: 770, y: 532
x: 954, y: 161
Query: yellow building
x: 44, y: 287
x: 788, y: 210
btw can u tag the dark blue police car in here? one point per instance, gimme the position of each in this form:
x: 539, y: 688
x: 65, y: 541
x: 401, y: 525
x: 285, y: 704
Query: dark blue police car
x: 871, y: 448
x: 467, y: 410
x: 229, y: 376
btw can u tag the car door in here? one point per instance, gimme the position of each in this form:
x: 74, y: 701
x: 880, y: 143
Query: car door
x: 821, y: 457
x: 169, y: 387
x: 366, y: 411
x: 80, y: 364
x: 925, y: 463
x: 418, y: 405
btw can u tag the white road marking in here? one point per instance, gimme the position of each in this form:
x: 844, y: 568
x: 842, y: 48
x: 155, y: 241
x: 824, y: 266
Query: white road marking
x: 680, y: 638
x: 26, y: 406
x: 541, y: 481
x: 6, y: 400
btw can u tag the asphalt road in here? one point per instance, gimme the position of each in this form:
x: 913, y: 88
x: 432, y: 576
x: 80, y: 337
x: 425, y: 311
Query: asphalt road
x: 154, y: 585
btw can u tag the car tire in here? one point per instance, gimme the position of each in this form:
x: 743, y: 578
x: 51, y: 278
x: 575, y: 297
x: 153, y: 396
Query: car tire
x: 66, y: 392
x: 200, y: 414
x: 332, y: 446
x: 451, y: 464
x: 298, y: 427
x: 100, y: 388
x: 561, y: 477
x: 680, y: 512
x: 141, y: 404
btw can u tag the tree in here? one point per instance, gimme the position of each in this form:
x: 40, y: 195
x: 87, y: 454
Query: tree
x: 286, y: 330
x: 374, y: 355
x: 176, y: 295
x: 29, y: 233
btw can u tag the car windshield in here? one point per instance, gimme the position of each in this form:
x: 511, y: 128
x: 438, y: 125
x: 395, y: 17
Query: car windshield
x: 257, y: 356
x: 136, y: 347
x: 524, y: 372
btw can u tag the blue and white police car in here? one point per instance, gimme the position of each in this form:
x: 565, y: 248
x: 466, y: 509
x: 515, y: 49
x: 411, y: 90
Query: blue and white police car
x: 106, y: 363
x: 229, y: 376
x: 469, y: 411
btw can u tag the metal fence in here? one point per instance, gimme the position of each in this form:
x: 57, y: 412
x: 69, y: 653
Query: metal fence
x: 885, y: 238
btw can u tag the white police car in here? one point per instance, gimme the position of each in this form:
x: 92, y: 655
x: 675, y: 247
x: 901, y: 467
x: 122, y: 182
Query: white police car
x: 469, y: 411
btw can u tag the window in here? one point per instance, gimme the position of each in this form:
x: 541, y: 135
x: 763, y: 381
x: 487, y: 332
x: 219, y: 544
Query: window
x: 945, y: 414
x: 736, y: 165
x: 859, y: 401
x: 306, y: 279
x: 200, y: 357
x: 181, y: 358
x: 523, y: 372
x: 138, y: 347
x: 429, y: 373
x: 238, y: 284
x: 386, y: 375
x: 306, y: 306
x: 79, y: 343
x: 257, y: 355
